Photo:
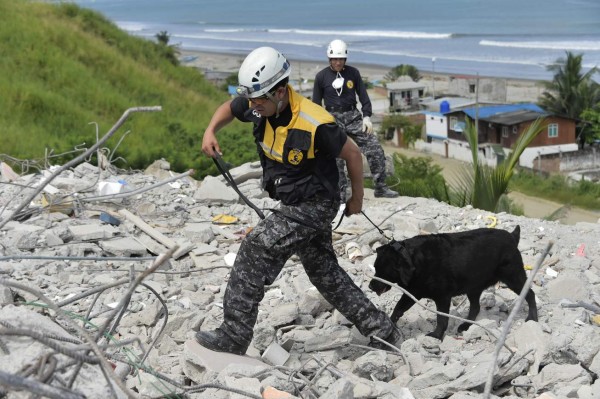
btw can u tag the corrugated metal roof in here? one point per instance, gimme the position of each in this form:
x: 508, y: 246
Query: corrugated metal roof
x: 488, y: 112
x: 404, y: 85
x: 513, y: 118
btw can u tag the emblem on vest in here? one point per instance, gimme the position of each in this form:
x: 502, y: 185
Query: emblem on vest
x: 295, y: 156
x: 350, y: 84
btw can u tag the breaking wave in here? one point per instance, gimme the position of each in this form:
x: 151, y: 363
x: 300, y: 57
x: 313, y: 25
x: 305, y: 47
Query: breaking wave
x: 586, y: 45
x: 361, y: 33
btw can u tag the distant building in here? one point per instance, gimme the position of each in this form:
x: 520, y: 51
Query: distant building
x: 403, y: 94
x: 484, y: 89
x: 499, y: 127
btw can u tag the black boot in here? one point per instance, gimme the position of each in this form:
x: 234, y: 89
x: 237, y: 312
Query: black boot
x: 385, y: 192
x: 218, y: 341
x: 392, y: 339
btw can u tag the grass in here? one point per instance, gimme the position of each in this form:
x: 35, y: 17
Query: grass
x: 557, y: 188
x: 63, y: 67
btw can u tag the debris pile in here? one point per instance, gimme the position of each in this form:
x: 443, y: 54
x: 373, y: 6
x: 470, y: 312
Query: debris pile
x: 105, y: 277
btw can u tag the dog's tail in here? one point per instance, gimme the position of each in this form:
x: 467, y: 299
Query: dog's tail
x: 516, y: 233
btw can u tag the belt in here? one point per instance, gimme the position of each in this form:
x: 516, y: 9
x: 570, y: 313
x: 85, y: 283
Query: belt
x: 343, y: 108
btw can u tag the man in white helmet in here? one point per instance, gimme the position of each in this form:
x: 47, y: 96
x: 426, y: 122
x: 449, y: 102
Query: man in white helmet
x: 337, y: 86
x: 298, y: 143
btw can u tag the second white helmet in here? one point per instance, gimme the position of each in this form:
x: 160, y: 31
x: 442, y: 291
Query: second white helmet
x: 262, y: 69
x: 337, y: 49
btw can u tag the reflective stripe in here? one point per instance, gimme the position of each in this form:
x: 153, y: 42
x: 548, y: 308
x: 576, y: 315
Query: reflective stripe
x: 270, y: 152
x: 309, y: 118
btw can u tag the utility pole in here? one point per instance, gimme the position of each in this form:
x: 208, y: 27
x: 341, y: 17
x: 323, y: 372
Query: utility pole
x: 477, y: 107
x: 433, y: 77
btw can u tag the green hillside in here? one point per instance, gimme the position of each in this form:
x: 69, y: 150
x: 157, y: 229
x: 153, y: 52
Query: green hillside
x: 64, y: 68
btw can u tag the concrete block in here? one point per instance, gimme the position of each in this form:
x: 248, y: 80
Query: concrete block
x: 275, y: 355
x: 214, y: 361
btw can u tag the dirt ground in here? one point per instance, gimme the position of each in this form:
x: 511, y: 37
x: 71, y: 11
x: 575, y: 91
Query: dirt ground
x: 532, y: 207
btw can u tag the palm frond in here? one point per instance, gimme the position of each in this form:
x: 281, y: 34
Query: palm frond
x: 481, y: 185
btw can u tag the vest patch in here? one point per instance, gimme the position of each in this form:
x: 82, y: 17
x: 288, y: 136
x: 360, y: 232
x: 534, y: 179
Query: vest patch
x: 295, y: 156
x: 350, y: 84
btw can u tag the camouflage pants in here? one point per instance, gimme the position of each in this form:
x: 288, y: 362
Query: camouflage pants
x: 369, y: 145
x: 266, y: 249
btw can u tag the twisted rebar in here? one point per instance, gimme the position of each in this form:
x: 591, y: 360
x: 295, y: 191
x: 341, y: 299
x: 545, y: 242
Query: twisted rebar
x: 76, y: 160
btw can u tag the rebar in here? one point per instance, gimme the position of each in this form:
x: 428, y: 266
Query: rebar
x: 76, y: 160
x: 37, y: 387
x: 508, y: 323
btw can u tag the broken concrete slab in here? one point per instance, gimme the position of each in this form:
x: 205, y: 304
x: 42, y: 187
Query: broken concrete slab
x: 92, y: 232
x: 124, y: 247
x: 205, y: 360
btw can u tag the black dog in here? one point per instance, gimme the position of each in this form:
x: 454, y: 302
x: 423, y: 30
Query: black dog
x: 441, y: 266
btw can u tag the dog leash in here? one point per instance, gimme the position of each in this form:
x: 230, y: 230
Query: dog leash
x: 365, y: 215
x: 224, y: 170
x: 222, y: 166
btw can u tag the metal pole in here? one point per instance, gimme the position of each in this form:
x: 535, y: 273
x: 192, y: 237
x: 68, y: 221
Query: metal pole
x: 477, y: 107
x: 433, y: 76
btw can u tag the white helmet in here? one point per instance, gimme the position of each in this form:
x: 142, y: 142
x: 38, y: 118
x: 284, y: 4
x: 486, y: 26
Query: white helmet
x: 262, y: 69
x: 337, y: 49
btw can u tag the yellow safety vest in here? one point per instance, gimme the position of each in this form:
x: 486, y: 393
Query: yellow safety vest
x: 295, y: 143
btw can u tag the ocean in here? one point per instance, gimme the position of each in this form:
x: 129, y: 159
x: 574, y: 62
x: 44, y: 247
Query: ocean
x: 503, y: 38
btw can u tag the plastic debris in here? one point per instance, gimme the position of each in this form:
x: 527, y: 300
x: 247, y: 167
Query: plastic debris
x: 107, y: 218
x: 109, y: 187
x: 224, y: 219
x: 493, y: 223
x: 551, y: 272
x: 353, y: 250
x: 230, y: 258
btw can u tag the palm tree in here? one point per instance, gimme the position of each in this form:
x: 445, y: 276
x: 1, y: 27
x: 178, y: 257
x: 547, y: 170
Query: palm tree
x: 483, y: 186
x: 170, y: 51
x: 403, y: 70
x: 163, y: 37
x: 571, y: 91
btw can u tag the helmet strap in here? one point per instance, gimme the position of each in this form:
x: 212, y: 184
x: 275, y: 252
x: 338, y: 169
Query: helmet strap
x: 279, y: 107
x: 277, y: 102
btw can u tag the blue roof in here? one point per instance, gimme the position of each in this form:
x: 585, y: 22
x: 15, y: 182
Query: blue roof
x: 486, y: 112
x: 232, y: 90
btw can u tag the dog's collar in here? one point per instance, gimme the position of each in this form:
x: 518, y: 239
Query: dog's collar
x: 399, y: 247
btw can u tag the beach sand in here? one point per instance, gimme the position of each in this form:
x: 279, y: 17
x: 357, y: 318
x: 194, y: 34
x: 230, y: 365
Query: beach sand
x: 517, y: 90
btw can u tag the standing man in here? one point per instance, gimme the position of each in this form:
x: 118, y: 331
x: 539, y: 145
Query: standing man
x: 298, y: 143
x: 337, y: 86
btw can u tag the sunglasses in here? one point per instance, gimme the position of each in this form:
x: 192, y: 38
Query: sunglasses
x: 264, y: 97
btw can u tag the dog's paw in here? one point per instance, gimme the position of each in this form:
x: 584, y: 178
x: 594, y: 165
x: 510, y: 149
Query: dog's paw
x: 436, y: 335
x: 463, y: 327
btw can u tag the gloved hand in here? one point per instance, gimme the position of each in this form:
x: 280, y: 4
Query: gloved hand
x: 367, y: 125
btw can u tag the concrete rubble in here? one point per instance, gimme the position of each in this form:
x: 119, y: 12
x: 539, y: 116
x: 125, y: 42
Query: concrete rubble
x: 69, y: 258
